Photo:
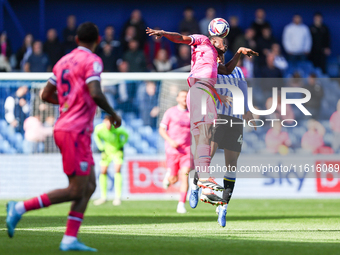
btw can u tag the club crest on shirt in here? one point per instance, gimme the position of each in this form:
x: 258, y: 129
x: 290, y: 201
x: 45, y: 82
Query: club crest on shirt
x: 83, y: 166
x: 97, y: 67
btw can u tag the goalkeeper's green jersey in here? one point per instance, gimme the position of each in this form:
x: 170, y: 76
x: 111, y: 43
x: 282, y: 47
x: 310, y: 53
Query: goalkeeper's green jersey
x: 111, y: 140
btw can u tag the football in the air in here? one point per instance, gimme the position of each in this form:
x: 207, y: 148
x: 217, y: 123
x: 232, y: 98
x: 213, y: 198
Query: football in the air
x: 219, y: 27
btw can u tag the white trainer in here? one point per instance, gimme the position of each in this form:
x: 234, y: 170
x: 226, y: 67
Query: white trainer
x: 181, y: 208
x: 116, y: 202
x: 99, y: 201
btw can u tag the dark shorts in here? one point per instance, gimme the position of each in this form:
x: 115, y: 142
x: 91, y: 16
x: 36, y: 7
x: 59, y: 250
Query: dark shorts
x: 227, y: 137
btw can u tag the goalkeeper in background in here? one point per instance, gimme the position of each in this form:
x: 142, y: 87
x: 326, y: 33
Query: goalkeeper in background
x: 110, y: 141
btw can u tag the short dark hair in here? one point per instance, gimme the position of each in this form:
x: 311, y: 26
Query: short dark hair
x: 87, y: 32
x: 213, y: 36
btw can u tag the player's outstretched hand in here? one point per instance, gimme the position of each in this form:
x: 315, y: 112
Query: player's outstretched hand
x: 116, y: 121
x: 157, y: 33
x: 248, y: 52
x: 249, y: 116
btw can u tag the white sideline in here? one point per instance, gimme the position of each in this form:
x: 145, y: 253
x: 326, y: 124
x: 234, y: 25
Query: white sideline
x: 104, y: 76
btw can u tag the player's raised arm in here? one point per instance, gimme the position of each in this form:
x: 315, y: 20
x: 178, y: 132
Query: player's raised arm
x: 49, y: 93
x: 100, y: 100
x: 230, y: 66
x: 174, y: 37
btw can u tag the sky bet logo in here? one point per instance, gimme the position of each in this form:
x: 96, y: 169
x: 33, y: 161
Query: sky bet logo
x: 238, y: 104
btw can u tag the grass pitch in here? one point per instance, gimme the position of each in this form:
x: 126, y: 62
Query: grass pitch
x: 154, y: 227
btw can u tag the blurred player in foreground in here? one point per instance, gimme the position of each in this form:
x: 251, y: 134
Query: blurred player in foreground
x: 227, y: 136
x: 175, y: 129
x: 110, y: 141
x: 202, y: 81
x: 75, y: 86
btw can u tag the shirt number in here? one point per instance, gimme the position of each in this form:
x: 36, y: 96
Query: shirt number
x: 240, y: 139
x: 65, y: 82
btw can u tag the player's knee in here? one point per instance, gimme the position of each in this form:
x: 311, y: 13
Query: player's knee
x: 91, y: 187
x: 76, y: 192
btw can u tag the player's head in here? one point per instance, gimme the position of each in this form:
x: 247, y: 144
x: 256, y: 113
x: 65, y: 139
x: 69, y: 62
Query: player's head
x: 182, y: 98
x: 297, y: 19
x: 317, y: 19
x: 107, y: 122
x: 219, y: 44
x: 88, y: 35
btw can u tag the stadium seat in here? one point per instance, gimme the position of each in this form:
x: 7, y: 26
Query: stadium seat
x: 136, y: 124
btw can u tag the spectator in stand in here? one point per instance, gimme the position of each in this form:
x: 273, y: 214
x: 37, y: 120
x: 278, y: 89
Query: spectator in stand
x: 148, y: 105
x: 247, y: 40
x: 24, y: 52
x: 334, y: 122
x: 162, y: 63
x: 264, y: 44
x: 36, y: 134
x: 52, y: 47
x: 129, y: 35
x: 316, y: 91
x: 38, y: 61
x: 184, y: 56
x: 126, y: 92
x: 210, y: 14
x: 5, y: 53
x: 248, y: 64
x: 296, y: 40
x: 109, y: 38
x: 235, y: 31
x: 69, y: 34
x: 109, y: 58
x: 277, y: 141
x: 270, y: 70
x: 135, y: 57
x: 279, y: 61
x: 260, y: 22
x: 296, y: 81
x: 5, y: 47
x: 240, y: 65
x: 139, y: 24
x: 17, y: 108
x: 153, y: 46
x: 312, y: 140
x: 189, y: 23
x: 320, y: 42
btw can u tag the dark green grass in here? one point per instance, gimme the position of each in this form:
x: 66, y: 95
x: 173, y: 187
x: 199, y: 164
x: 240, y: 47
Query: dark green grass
x: 154, y: 227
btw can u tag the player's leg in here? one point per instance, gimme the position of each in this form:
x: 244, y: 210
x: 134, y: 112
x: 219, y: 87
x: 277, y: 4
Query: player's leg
x: 171, y: 175
x: 204, y: 159
x: 104, y: 165
x: 183, y: 190
x: 76, y: 216
x: 229, y: 180
x: 193, y: 199
x: 184, y: 165
x: 84, y: 167
x: 74, y: 191
x: 118, y: 180
x: 231, y: 158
